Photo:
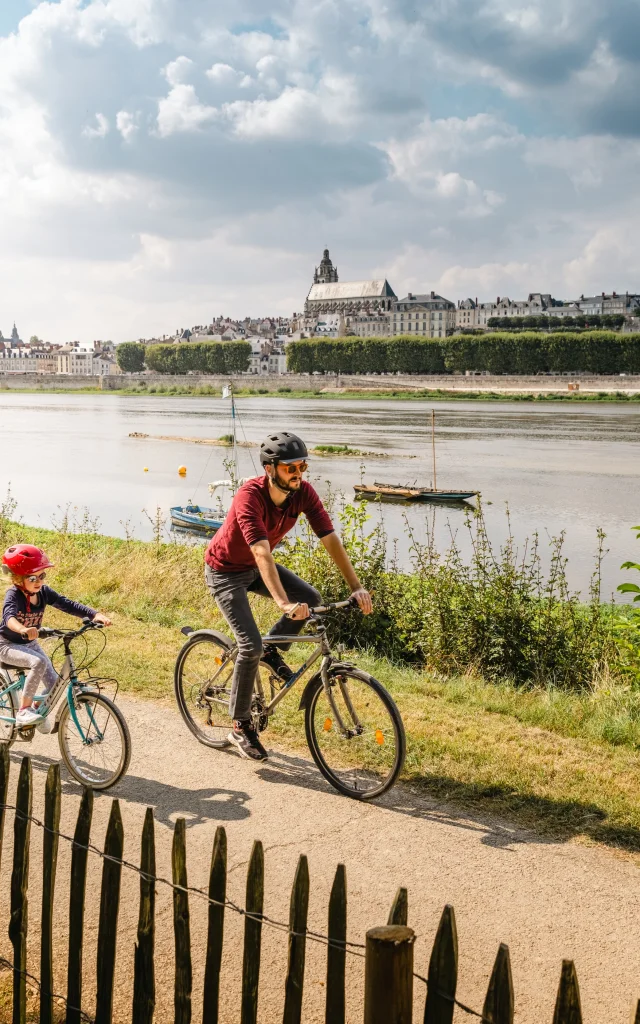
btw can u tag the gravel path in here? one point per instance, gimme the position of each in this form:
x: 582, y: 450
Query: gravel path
x: 546, y: 900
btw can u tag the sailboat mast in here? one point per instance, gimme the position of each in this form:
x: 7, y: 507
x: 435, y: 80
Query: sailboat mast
x: 234, y: 475
x: 433, y: 446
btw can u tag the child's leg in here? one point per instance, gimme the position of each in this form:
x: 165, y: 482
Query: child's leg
x: 31, y: 657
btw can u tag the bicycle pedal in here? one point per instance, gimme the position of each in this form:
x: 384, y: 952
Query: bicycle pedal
x: 26, y: 735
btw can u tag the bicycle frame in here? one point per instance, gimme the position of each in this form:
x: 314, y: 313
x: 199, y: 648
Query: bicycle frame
x: 319, y: 639
x: 46, y: 702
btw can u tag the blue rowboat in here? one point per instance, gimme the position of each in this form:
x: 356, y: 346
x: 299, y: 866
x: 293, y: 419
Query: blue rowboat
x: 196, y: 518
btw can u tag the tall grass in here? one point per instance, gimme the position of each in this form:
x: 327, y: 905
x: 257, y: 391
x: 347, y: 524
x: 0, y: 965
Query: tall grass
x: 499, y: 616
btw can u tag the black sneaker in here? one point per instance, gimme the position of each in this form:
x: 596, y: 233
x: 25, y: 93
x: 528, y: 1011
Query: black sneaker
x: 274, y: 660
x: 246, y: 739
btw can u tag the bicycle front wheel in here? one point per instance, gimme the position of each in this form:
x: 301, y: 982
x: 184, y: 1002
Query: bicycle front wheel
x: 98, y: 753
x: 202, y: 682
x: 362, y: 753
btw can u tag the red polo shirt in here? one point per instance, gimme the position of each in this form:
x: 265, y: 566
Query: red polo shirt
x: 253, y: 517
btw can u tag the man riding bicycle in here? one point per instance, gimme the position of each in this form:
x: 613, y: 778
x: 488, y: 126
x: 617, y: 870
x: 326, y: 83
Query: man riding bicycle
x: 239, y: 560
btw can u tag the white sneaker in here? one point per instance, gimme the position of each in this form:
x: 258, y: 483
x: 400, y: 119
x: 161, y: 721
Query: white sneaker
x: 26, y: 717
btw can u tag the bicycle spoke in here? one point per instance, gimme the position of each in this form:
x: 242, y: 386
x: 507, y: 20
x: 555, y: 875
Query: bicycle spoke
x: 97, y: 755
x: 360, y: 749
x: 203, y: 689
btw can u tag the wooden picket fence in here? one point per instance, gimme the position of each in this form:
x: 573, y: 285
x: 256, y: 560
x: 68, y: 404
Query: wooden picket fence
x: 388, y: 951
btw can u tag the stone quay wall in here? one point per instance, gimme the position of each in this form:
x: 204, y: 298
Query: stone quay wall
x: 302, y: 382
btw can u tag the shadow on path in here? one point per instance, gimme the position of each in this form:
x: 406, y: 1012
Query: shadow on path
x: 169, y: 802
x: 502, y: 817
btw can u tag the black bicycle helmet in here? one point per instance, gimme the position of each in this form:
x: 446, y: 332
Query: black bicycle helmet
x: 282, y: 447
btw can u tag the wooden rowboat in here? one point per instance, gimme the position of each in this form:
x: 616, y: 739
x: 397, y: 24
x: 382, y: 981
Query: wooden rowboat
x: 401, y: 493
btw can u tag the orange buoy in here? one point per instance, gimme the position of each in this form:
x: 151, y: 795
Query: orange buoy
x: 182, y: 470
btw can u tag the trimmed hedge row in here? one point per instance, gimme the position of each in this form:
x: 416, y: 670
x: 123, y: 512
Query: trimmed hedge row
x: 524, y: 352
x: 199, y: 356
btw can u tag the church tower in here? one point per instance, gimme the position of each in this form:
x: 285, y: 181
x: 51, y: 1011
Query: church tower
x: 326, y: 273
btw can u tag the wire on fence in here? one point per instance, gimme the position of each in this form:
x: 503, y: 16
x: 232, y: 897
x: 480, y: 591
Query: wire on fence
x: 34, y: 981
x: 353, y: 948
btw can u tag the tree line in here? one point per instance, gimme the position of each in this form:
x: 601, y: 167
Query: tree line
x: 501, y: 352
x: 197, y: 357
x: 611, y: 321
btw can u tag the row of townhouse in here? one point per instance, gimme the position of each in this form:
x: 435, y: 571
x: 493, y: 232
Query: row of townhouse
x: 56, y: 359
x: 432, y: 316
x: 471, y: 313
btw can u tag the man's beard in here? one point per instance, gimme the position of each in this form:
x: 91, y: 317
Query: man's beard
x: 285, y: 484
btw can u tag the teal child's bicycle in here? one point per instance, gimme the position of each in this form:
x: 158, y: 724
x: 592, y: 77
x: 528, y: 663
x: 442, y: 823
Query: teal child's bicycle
x: 93, y: 736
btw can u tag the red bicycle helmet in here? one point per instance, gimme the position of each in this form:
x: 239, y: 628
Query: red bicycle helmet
x: 25, y: 559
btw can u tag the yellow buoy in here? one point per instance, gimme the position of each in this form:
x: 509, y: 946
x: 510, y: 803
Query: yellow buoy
x: 182, y: 470
x: 146, y: 469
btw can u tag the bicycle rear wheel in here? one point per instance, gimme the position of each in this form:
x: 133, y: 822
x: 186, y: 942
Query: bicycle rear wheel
x: 8, y: 708
x: 365, y: 759
x: 99, y: 757
x: 202, y: 683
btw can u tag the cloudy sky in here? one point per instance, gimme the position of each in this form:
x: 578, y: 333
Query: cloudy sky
x: 164, y: 161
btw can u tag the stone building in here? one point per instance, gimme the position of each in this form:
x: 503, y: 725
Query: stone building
x: 347, y: 298
x: 430, y: 316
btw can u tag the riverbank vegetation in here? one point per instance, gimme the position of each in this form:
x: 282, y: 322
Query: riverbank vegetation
x: 191, y: 357
x: 526, y: 352
x: 518, y: 699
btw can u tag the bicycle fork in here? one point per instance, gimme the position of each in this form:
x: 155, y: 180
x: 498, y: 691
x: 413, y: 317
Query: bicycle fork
x: 328, y: 689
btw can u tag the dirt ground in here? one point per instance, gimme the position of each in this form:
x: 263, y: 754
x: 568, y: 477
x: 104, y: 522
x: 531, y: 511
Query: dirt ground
x: 546, y: 900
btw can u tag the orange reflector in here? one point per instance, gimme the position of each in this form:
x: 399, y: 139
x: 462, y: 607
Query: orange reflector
x: 327, y: 725
x: 379, y: 737
x: 218, y: 660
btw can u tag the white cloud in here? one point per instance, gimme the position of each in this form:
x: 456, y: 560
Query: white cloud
x: 98, y: 129
x: 224, y: 74
x: 182, y: 111
x: 363, y: 125
x: 127, y: 124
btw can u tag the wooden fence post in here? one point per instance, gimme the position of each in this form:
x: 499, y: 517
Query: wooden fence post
x: 388, y: 981
x: 109, y: 906
x: 498, y: 1005
x: 442, y: 979
x: 4, y: 786
x: 298, y: 911
x: 568, y: 1009
x: 181, y: 929
x: 336, y: 950
x: 635, y: 1013
x: 399, y: 908
x: 76, y: 906
x: 144, y: 984
x: 19, y: 887
x: 215, y: 930
x: 49, y: 862
x: 252, y: 936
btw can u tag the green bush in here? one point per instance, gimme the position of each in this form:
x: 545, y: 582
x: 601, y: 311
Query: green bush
x: 499, y: 615
x: 130, y: 356
x: 498, y: 352
x: 199, y: 357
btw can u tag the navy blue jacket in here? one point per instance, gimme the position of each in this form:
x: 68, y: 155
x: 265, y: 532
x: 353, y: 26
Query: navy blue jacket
x: 17, y: 605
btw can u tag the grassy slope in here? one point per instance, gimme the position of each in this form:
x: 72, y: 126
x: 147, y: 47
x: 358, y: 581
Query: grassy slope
x: 565, y: 764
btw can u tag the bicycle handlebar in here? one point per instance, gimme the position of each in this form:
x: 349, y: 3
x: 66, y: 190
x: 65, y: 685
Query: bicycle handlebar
x: 45, y: 633
x: 336, y: 606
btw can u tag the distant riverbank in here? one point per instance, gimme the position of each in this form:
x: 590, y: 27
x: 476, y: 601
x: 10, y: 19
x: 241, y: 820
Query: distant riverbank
x: 401, y: 394
x: 433, y: 387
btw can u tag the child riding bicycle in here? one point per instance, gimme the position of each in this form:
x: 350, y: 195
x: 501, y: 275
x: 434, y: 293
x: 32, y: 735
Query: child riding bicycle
x: 24, y: 606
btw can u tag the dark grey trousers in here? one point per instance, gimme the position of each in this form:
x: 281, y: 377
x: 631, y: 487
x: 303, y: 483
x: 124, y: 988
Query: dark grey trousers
x: 230, y: 590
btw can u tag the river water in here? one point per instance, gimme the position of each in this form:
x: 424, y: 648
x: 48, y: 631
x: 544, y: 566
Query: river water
x: 557, y: 468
